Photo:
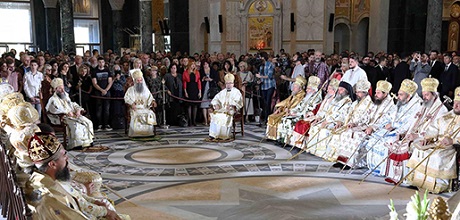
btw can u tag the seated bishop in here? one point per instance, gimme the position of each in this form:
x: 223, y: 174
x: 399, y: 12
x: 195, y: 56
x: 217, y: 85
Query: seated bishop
x: 139, y: 98
x: 79, y: 128
x: 306, y: 108
x: 285, y: 107
x: 226, y: 103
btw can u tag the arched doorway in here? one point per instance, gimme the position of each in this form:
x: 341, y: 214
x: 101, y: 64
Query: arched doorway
x: 204, y: 40
x: 341, y: 38
x: 362, y: 36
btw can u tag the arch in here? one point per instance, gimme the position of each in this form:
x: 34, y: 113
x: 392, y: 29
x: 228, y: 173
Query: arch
x: 361, y: 37
x: 341, y: 37
x: 244, y: 6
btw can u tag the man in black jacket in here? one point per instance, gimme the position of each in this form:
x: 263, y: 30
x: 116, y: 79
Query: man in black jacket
x: 448, y: 79
x: 437, y: 67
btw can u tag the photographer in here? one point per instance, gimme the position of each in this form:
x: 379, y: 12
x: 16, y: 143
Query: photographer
x: 298, y: 71
x: 421, y: 69
x: 267, y: 80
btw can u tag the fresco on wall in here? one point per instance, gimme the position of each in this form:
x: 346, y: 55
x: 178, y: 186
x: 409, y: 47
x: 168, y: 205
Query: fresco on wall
x: 342, y: 8
x: 360, y: 9
x: 81, y: 7
x: 260, y: 26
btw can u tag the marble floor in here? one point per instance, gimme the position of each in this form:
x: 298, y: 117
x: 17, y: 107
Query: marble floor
x: 180, y: 176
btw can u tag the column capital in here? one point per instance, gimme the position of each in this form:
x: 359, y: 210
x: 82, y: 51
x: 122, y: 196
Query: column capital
x: 50, y: 3
x: 117, y: 5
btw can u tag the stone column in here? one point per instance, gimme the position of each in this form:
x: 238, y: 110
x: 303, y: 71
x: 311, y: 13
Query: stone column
x: 52, y: 24
x: 67, y: 32
x: 433, y: 25
x: 118, y: 41
x: 378, y: 26
x: 146, y: 25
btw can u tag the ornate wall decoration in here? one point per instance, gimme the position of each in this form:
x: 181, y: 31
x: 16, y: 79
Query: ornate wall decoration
x: 260, y: 25
x: 360, y: 9
x: 342, y: 8
x: 453, y: 36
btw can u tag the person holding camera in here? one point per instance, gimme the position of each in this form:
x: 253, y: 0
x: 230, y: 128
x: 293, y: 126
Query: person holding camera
x: 421, y: 68
x: 267, y: 82
x: 298, y: 70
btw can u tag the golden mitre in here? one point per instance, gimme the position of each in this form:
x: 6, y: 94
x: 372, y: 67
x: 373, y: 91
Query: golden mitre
x: 362, y: 85
x: 457, y: 94
x: 137, y: 74
x: 334, y: 83
x: 313, y: 82
x: 301, y: 81
x: 384, y: 86
x: 430, y: 85
x: 229, y: 77
x: 43, y: 147
x: 22, y: 114
x: 408, y: 86
x: 57, y: 82
x: 10, y: 101
x: 5, y: 89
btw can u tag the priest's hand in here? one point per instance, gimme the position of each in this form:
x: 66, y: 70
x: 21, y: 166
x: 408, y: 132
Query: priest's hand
x: 216, y: 107
x: 323, y: 125
x: 78, y: 113
x: 111, y: 215
x: 351, y: 125
x: 411, y: 137
x: 447, y: 141
x: 154, y: 104
x: 70, y: 114
x: 369, y: 130
x: 133, y: 106
x: 389, y: 127
x: 338, y: 125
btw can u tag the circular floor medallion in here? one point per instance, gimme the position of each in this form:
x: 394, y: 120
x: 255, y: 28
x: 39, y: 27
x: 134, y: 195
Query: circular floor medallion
x: 177, y: 155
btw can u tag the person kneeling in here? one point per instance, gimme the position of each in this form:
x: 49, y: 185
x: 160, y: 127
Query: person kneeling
x: 141, y: 100
x: 79, y: 128
x: 226, y: 103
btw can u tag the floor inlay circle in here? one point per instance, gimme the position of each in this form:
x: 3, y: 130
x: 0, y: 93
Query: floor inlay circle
x: 176, y: 155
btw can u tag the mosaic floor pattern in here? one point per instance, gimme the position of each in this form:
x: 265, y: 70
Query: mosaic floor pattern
x: 181, y: 176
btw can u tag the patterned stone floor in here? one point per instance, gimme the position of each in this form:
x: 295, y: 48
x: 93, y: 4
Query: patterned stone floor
x: 181, y: 176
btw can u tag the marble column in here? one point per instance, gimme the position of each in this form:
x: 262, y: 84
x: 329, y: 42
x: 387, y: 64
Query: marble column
x: 433, y: 25
x: 67, y: 32
x: 52, y: 24
x: 378, y: 25
x: 146, y: 25
x: 118, y: 40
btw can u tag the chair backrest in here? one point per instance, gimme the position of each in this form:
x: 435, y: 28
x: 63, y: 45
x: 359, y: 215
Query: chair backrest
x: 12, y: 200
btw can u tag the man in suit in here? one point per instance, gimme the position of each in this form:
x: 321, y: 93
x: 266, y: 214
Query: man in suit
x: 371, y: 71
x: 436, y: 66
x: 449, y: 77
x: 382, y: 70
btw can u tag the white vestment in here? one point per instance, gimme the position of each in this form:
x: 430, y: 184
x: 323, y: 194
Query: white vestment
x: 318, y: 137
x: 143, y: 118
x: 79, y: 129
x: 222, y: 119
x: 359, y: 115
x: 382, y: 140
x: 351, y: 152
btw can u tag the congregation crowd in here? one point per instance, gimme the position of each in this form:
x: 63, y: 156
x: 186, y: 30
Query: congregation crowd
x: 378, y: 111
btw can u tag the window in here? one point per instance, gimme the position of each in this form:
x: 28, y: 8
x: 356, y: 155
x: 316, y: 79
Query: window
x: 16, y: 25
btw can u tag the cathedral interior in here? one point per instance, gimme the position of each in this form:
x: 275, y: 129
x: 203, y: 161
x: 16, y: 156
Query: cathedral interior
x: 179, y: 175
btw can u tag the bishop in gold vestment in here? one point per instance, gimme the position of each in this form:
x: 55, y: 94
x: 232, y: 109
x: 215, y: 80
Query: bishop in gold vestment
x: 284, y: 107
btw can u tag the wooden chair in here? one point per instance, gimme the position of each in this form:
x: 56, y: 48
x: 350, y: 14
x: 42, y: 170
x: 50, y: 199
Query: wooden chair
x: 239, y: 117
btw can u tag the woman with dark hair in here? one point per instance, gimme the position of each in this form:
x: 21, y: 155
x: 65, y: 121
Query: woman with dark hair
x: 192, y: 90
x: 228, y: 69
x: 208, y: 79
x: 64, y: 74
x: 173, y: 82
